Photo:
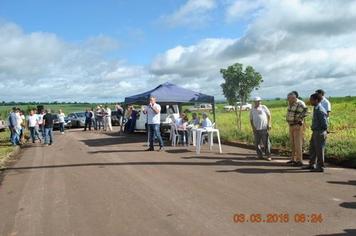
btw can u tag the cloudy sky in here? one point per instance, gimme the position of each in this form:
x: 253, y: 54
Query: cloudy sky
x: 100, y: 51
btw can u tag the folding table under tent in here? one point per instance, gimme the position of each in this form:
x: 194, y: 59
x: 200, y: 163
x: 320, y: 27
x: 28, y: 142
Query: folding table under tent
x: 169, y: 93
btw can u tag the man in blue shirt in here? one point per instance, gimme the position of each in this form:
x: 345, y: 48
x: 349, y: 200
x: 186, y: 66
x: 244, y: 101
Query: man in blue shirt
x: 319, y: 127
x: 14, y: 137
x: 88, y: 119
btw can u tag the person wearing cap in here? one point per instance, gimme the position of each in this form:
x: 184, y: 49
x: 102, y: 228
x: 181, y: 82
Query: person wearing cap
x: 324, y: 101
x: 296, y: 113
x: 260, y: 119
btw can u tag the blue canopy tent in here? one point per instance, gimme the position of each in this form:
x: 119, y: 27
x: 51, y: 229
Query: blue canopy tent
x: 171, y: 93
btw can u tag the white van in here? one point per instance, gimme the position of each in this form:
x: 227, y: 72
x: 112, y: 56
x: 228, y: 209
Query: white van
x: 169, y: 113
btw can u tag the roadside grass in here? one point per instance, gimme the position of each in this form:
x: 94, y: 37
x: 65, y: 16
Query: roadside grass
x: 5, y: 147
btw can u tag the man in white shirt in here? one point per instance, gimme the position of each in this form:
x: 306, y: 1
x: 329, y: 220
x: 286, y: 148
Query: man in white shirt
x: 260, y: 119
x: 324, y: 102
x: 206, y: 123
x: 33, y: 126
x: 153, y: 111
x: 107, y: 119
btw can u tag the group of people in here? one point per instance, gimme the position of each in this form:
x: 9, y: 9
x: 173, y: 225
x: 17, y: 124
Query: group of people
x: 153, y: 112
x: 100, y: 118
x: 183, y: 124
x: 297, y: 111
x: 40, y: 125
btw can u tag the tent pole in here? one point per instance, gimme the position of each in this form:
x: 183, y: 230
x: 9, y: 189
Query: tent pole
x: 214, y: 115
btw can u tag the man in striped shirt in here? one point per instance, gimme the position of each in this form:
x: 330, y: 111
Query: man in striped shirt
x: 296, y: 113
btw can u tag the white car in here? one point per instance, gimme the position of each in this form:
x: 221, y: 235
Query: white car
x: 169, y: 113
x: 245, y: 107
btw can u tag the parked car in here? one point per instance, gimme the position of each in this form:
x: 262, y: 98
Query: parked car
x: 245, y: 107
x: 201, y: 107
x: 168, y: 114
x: 2, y: 125
x: 76, y: 119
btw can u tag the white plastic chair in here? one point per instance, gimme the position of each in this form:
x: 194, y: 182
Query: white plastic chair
x: 175, y: 135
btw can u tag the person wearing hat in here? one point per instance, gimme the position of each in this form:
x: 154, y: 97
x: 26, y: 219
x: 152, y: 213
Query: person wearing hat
x: 260, y: 119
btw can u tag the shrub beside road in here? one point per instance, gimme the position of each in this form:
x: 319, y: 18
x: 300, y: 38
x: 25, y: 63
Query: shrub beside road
x: 5, y: 147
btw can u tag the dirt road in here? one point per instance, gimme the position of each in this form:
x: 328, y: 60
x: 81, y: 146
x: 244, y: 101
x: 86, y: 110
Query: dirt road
x: 105, y: 184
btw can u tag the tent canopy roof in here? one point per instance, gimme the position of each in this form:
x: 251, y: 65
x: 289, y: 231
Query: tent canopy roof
x: 170, y: 93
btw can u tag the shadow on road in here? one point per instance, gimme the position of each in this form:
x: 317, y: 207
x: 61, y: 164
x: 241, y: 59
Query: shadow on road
x: 348, y: 232
x: 178, y: 151
x: 349, y: 205
x: 264, y: 171
x: 350, y: 182
x: 115, y: 151
x: 111, y: 141
x: 226, y: 163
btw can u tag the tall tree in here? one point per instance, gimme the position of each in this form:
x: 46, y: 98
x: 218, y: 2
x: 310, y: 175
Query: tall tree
x: 238, y: 85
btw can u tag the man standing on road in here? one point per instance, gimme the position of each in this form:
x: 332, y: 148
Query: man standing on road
x: 107, y: 119
x: 88, y: 120
x: 98, y: 118
x: 296, y: 113
x: 14, y: 137
x: 120, y: 113
x: 33, y: 126
x: 324, y: 102
x: 48, y: 119
x: 260, y: 119
x: 153, y: 111
x: 40, y: 123
x: 319, y: 127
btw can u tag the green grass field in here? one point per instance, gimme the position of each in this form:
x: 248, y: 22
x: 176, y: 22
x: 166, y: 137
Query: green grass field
x: 341, y: 143
x: 5, y: 147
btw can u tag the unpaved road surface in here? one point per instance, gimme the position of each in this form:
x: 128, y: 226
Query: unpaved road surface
x: 105, y: 184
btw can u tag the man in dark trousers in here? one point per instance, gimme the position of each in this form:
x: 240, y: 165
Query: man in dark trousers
x: 319, y: 127
x: 88, y: 119
x: 48, y: 120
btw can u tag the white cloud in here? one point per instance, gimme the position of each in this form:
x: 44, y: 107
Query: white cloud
x: 194, y: 13
x: 295, y: 44
x: 243, y: 10
x: 40, y: 66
